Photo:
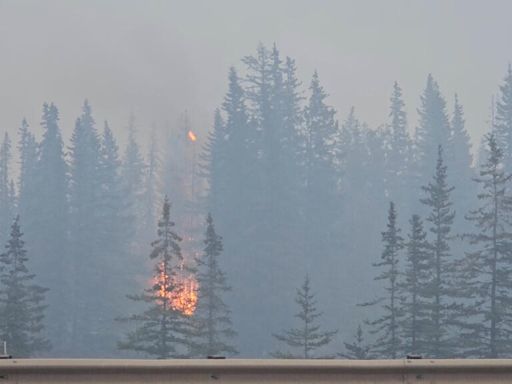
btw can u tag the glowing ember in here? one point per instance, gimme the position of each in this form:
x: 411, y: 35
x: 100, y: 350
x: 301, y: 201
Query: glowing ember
x: 183, y: 297
x: 192, y: 136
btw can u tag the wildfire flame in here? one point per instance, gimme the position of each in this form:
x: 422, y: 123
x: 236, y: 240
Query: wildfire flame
x: 183, y: 297
x: 192, y: 136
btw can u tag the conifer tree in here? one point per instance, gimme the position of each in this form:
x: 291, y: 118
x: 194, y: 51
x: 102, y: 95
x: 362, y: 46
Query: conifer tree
x: 28, y: 156
x: 152, y: 184
x: 503, y: 119
x: 398, y: 151
x: 386, y: 327
x: 6, y: 200
x: 160, y: 330
x: 459, y: 160
x: 415, y: 287
x: 308, y: 336
x: 132, y: 173
x: 212, y: 316
x: 358, y: 349
x: 91, y: 284
x: 440, y: 218
x: 47, y: 228
x: 485, y: 272
x: 22, y: 305
x: 433, y: 129
x: 320, y: 192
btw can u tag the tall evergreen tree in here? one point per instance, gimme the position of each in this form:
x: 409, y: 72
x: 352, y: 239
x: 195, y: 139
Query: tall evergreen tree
x: 212, y: 316
x: 309, y: 336
x: 90, y: 272
x: 132, y: 173
x: 441, y: 218
x: 160, y: 330
x: 503, y: 119
x: 386, y: 327
x: 415, y: 287
x: 152, y: 185
x: 22, y: 305
x: 47, y: 230
x: 486, y: 271
x: 433, y: 129
x: 320, y: 186
x: 398, y: 151
x: 6, y: 199
x: 459, y: 160
x: 28, y: 156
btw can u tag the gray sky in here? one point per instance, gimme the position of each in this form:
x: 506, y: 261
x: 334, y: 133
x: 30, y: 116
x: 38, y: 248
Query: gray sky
x: 157, y: 58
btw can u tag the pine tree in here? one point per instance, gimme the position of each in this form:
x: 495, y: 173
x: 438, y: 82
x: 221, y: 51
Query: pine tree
x: 91, y: 283
x: 441, y: 218
x: 309, y: 336
x: 503, y: 119
x: 28, y: 156
x: 160, y: 330
x: 212, y: 315
x: 47, y: 229
x: 459, y: 160
x: 386, y: 327
x: 415, y: 287
x: 6, y: 200
x: 398, y: 151
x: 485, y: 272
x: 132, y: 174
x: 152, y: 184
x: 22, y: 305
x: 358, y: 349
x: 320, y: 189
x: 433, y: 129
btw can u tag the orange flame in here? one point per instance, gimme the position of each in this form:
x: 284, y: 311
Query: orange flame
x: 192, y: 136
x: 183, y: 297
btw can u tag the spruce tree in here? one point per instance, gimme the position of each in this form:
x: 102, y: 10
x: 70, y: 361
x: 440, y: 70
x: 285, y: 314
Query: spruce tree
x: 503, y: 119
x: 485, y: 272
x: 132, y: 173
x: 433, y: 129
x: 28, y: 156
x: 152, y: 185
x: 398, y: 151
x: 212, y: 316
x: 358, y: 349
x: 415, y: 286
x: 320, y: 189
x: 308, y: 336
x: 440, y: 218
x: 47, y: 227
x: 459, y: 161
x: 388, y: 344
x: 22, y: 306
x: 160, y: 330
x: 6, y: 200
x: 90, y: 271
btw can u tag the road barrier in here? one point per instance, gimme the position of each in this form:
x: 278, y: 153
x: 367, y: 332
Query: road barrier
x: 42, y: 371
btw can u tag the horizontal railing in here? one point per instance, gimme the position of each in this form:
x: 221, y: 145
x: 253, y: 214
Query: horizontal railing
x: 254, y: 371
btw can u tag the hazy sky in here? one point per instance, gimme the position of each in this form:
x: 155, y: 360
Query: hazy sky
x: 157, y: 58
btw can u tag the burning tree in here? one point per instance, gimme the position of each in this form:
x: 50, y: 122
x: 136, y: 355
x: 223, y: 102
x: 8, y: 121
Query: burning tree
x: 21, y: 302
x: 163, y: 327
x: 212, y: 316
x: 308, y: 337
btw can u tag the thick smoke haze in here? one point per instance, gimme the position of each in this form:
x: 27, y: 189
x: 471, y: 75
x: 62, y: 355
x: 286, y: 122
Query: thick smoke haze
x: 158, y: 58
x: 346, y: 162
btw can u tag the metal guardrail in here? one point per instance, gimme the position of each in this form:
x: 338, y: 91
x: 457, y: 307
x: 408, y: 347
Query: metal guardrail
x: 25, y: 371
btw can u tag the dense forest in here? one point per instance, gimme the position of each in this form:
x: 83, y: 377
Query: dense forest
x: 290, y: 231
